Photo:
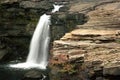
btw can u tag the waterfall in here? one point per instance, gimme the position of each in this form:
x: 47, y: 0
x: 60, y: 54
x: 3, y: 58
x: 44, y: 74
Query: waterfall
x: 38, y: 54
x: 40, y: 41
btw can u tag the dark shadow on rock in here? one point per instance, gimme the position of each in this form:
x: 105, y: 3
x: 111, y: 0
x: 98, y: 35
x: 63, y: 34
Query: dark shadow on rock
x: 9, y: 73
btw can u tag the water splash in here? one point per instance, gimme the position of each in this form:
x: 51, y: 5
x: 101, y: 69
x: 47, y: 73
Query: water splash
x: 38, y: 54
x: 56, y: 8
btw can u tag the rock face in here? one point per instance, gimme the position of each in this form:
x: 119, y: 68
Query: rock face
x: 18, y: 19
x: 92, y: 50
x: 63, y: 22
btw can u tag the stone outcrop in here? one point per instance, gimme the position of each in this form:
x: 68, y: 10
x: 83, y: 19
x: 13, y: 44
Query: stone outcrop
x: 92, y: 50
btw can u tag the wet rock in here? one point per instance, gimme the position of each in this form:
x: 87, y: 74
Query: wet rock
x: 2, y: 53
x: 18, y: 19
x: 36, y: 5
x: 9, y: 1
x: 33, y: 75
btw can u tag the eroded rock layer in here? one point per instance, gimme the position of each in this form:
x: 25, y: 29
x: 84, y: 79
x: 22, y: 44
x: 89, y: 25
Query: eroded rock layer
x: 92, y: 50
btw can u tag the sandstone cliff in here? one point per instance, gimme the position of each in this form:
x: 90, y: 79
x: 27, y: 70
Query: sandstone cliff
x: 92, y: 50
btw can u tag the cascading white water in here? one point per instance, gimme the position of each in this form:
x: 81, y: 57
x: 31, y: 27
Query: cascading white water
x: 40, y: 41
x: 56, y: 8
x: 38, y: 54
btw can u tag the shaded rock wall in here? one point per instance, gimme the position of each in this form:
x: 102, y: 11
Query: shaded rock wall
x: 63, y: 22
x: 18, y: 19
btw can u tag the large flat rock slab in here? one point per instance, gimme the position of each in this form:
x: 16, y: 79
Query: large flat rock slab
x: 93, y: 32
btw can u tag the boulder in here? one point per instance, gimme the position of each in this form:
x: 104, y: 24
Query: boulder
x: 33, y: 74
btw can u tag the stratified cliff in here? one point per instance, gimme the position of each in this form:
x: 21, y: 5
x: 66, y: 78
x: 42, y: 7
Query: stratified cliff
x: 92, y: 50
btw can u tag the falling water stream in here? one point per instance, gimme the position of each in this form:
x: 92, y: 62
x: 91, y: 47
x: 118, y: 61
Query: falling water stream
x: 38, y: 54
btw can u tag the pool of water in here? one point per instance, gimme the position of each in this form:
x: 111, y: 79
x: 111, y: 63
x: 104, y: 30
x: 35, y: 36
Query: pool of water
x: 9, y: 73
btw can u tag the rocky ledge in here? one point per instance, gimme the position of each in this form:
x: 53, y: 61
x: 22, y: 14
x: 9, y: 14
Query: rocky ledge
x: 92, y: 50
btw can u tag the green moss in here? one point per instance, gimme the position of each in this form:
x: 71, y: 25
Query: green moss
x: 68, y: 68
x: 73, y: 71
x: 118, y: 41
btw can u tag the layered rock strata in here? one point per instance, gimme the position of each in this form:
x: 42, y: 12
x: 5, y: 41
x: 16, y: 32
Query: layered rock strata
x: 92, y: 50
